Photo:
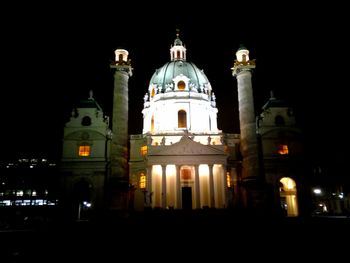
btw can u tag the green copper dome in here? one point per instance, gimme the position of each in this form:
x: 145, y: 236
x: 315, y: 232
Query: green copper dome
x: 163, y: 77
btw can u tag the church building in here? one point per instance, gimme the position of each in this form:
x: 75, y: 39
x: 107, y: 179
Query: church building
x: 182, y: 160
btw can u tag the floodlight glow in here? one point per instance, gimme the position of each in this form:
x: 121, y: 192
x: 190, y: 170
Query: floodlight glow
x: 317, y: 191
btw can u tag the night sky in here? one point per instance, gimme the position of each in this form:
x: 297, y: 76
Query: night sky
x: 53, y: 55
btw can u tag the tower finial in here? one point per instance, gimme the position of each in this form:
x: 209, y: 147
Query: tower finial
x: 177, y: 32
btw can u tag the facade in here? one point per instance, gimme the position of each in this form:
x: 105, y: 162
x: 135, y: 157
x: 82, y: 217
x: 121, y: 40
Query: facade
x: 179, y: 161
x: 283, y: 155
x: 182, y: 160
x: 85, y: 157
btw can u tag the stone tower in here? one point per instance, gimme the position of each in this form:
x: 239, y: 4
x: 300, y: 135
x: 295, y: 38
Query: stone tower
x: 242, y: 70
x: 253, y: 187
x: 119, y: 148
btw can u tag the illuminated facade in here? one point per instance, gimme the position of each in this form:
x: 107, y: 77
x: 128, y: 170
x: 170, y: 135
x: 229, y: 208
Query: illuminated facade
x: 180, y: 151
x: 182, y: 160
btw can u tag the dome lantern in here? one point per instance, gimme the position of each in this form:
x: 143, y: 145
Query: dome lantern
x: 178, y: 51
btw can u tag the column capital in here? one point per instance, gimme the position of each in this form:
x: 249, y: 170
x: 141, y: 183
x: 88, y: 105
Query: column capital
x: 240, y: 66
x: 125, y: 67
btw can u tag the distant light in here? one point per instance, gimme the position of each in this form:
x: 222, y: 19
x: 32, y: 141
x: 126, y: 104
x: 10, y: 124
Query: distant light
x: 86, y: 204
x: 317, y: 191
x: 5, y: 202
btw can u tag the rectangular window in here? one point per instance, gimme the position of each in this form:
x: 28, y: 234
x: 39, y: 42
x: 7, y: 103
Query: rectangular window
x: 228, y: 179
x: 84, y: 150
x: 142, y: 181
x: 144, y: 150
x: 283, y: 149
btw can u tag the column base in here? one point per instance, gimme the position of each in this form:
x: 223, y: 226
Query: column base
x: 256, y: 197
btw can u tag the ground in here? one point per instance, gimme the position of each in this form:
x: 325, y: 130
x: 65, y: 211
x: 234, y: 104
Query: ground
x: 219, y: 233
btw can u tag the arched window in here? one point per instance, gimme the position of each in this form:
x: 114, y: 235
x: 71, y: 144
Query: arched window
x: 182, y: 119
x: 178, y: 54
x: 86, y: 121
x: 181, y: 85
x: 279, y: 120
x: 153, y: 93
x: 186, y: 173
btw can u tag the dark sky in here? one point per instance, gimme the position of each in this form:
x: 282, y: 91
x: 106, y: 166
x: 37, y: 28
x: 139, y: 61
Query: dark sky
x: 52, y: 55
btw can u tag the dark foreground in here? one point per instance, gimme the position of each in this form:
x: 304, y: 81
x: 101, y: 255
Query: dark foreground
x: 172, y: 235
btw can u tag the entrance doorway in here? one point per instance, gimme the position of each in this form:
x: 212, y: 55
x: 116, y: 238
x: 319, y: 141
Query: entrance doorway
x: 187, y: 198
x: 288, y: 196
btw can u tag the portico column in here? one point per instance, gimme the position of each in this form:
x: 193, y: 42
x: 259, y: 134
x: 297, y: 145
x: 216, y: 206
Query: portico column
x: 163, y: 186
x: 178, y: 188
x: 211, y: 186
x: 196, y: 187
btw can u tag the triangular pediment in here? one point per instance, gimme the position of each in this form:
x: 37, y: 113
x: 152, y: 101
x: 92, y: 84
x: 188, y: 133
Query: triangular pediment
x: 186, y: 146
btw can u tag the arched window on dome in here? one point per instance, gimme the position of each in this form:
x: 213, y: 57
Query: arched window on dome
x: 182, y: 119
x: 181, y: 85
x: 153, y: 93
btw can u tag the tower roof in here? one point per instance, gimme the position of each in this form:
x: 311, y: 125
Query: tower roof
x: 242, y: 47
x: 275, y: 103
x: 89, y: 102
